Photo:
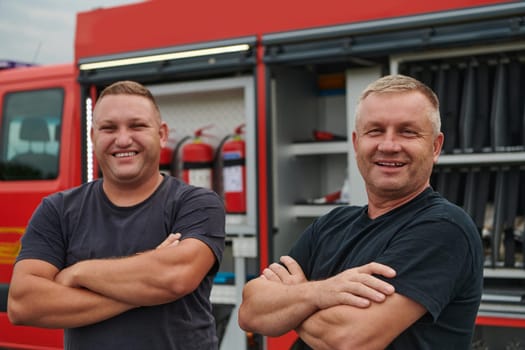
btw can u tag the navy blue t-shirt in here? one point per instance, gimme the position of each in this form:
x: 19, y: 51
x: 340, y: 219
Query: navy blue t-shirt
x: 82, y: 223
x: 435, y: 249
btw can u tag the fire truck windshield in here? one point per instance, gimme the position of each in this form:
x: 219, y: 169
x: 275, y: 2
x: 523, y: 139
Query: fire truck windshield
x: 30, y: 135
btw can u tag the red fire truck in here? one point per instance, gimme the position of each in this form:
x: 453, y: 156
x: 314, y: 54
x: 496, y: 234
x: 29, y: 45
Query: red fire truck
x: 285, y: 71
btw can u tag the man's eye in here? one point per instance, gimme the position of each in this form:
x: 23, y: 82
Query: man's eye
x: 373, y: 132
x: 409, y: 132
x: 138, y: 126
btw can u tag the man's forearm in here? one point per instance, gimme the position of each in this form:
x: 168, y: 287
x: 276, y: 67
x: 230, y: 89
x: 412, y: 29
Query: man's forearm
x: 342, y: 327
x: 273, y: 308
x: 152, y: 278
x: 45, y: 303
x: 133, y: 280
x: 349, y: 327
x: 282, y: 298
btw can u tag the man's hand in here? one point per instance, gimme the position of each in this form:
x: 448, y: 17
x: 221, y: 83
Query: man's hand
x: 290, y: 273
x: 281, y: 299
x: 357, y: 287
x: 66, y: 278
x: 173, y: 239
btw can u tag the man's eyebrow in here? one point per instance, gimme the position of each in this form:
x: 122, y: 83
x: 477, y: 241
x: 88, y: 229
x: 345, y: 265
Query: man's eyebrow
x: 103, y: 122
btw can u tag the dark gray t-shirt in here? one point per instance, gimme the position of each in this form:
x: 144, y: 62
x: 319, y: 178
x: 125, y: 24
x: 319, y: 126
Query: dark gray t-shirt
x: 82, y: 223
x: 435, y: 249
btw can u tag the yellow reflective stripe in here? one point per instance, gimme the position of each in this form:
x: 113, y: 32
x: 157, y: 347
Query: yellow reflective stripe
x: 9, y: 250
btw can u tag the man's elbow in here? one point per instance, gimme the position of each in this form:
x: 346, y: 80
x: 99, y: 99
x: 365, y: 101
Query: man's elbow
x: 14, y: 316
x: 349, y: 341
x: 181, y: 284
x: 245, y: 320
x: 268, y: 330
x: 250, y: 322
x: 17, y: 314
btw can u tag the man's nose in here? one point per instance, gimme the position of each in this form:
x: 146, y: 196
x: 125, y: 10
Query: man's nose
x: 389, y: 144
x: 123, y: 138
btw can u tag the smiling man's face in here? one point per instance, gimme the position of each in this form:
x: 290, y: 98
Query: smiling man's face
x: 394, y: 143
x: 127, y: 136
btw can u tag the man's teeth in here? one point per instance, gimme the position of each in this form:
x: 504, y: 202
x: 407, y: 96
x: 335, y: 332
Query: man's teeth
x: 390, y: 164
x: 125, y: 154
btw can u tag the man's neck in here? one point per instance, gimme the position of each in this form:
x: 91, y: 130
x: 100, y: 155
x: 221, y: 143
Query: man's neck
x: 129, y: 194
x: 379, y: 205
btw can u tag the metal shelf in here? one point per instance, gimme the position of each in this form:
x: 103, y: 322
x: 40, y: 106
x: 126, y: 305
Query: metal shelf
x: 311, y: 210
x: 503, y: 273
x: 223, y: 294
x: 314, y: 148
x: 238, y: 225
x: 512, y: 311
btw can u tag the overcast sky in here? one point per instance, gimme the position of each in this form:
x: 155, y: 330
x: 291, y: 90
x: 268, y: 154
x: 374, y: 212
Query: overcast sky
x: 43, y: 31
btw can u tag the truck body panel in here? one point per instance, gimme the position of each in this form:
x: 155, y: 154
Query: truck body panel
x: 124, y: 29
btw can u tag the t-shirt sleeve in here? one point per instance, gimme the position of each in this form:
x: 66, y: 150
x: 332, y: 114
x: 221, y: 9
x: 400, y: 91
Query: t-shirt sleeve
x: 202, y: 216
x: 43, y: 237
x: 301, y: 251
x: 429, y: 260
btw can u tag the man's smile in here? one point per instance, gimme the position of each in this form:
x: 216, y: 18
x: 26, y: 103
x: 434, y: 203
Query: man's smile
x: 124, y: 154
x: 390, y: 164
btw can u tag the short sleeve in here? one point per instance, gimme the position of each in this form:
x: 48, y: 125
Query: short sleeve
x: 43, y: 238
x: 201, y: 215
x: 429, y: 260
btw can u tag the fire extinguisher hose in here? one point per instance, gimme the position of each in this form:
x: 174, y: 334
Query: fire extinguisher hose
x: 174, y: 167
x: 218, y: 164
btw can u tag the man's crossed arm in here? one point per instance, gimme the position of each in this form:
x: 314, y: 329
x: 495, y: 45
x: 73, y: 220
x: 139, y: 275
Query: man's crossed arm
x: 94, y: 290
x: 350, y: 310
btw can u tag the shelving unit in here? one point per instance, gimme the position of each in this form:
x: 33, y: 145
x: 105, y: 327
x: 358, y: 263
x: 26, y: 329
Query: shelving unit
x: 297, y: 110
x: 316, y: 168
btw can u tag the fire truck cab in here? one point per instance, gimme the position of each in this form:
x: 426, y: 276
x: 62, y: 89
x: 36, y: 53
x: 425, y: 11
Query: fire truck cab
x: 39, y: 155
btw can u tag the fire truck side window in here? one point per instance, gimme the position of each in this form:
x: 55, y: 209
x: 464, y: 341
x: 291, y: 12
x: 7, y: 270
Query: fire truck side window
x: 30, y: 135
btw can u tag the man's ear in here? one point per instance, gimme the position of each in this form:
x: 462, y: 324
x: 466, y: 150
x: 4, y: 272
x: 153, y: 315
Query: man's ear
x: 354, y: 141
x: 163, y: 132
x: 438, y: 145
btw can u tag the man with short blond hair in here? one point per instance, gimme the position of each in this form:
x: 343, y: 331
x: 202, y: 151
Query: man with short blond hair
x: 403, y: 272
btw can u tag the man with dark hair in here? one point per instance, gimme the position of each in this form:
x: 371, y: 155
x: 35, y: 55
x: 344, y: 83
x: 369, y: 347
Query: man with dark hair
x: 126, y: 261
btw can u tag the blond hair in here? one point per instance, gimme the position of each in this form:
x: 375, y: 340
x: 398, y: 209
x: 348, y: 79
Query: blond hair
x: 402, y: 83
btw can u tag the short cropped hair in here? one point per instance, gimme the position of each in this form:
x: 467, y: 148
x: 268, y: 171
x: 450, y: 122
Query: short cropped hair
x: 128, y: 87
x: 402, y: 83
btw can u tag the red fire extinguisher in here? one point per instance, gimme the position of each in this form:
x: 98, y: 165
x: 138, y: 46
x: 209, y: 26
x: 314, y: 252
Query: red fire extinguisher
x: 166, y: 156
x: 197, y: 161
x: 234, y: 173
